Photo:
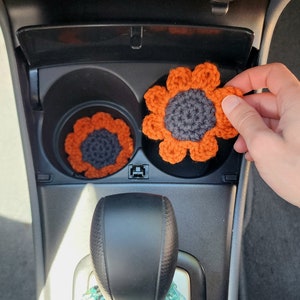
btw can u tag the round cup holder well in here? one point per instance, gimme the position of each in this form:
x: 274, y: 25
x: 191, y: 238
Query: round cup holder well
x: 187, y: 168
x: 71, y: 98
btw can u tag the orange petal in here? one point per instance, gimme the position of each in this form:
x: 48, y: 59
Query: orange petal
x: 113, y: 126
x: 154, y: 127
x: 120, y: 128
x: 122, y: 159
x: 72, y: 143
x: 226, y: 133
x: 127, y: 148
x: 206, y: 77
x: 179, y: 80
x: 219, y: 94
x: 126, y: 142
x: 77, y: 163
x: 205, y: 149
x: 223, y: 128
x: 172, y: 151
x: 233, y: 91
x: 156, y: 99
x: 93, y: 173
x: 83, y: 127
x: 101, y: 120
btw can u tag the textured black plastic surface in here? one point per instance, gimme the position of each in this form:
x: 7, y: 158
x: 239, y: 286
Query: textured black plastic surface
x: 242, y: 13
x: 134, y: 246
x: 204, y: 216
x: 77, y: 44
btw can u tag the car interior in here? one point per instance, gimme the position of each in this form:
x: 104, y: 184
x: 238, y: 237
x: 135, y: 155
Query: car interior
x: 121, y: 210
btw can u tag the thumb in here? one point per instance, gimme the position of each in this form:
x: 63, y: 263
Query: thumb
x: 243, y: 117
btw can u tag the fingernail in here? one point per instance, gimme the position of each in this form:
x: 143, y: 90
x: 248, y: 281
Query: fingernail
x: 229, y: 103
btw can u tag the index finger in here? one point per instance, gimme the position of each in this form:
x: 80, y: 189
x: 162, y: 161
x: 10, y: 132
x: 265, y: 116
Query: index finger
x: 276, y: 77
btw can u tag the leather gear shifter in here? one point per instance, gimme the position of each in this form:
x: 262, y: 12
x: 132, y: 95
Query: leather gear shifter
x: 134, y: 246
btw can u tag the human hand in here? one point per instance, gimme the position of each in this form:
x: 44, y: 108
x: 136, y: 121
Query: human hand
x: 269, y: 125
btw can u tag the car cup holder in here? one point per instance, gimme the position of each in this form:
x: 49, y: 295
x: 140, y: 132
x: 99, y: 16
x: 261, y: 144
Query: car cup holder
x: 104, y: 132
x: 186, y: 133
x: 71, y: 106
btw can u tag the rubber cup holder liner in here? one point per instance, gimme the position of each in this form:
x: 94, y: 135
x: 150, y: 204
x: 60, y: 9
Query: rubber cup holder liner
x: 94, y: 140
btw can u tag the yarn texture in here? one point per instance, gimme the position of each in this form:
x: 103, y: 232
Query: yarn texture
x: 187, y: 116
x: 99, y: 146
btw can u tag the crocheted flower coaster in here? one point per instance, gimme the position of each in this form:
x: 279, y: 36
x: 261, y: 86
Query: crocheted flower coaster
x: 99, y: 145
x: 187, y: 114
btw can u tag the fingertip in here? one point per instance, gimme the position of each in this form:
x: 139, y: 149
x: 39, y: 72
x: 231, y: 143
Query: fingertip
x: 248, y: 157
x: 243, y: 117
x: 229, y: 103
x: 240, y: 145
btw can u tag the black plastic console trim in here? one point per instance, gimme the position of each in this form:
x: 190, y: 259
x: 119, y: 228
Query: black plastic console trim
x: 52, y: 45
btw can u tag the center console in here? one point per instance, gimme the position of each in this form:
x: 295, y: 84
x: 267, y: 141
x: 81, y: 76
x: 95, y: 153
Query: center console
x: 74, y: 59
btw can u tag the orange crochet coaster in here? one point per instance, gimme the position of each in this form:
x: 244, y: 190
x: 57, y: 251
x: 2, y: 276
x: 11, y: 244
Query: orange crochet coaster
x: 99, y: 146
x: 187, y: 116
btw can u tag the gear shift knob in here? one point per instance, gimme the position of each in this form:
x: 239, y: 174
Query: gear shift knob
x: 134, y: 246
